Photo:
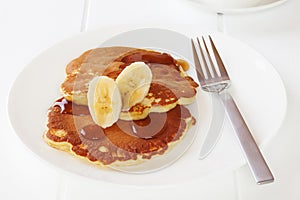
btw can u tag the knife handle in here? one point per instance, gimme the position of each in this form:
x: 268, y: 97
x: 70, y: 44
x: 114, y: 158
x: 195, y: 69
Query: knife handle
x: 255, y: 159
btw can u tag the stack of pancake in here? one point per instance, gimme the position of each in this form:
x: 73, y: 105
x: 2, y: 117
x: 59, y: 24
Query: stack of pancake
x: 147, y: 129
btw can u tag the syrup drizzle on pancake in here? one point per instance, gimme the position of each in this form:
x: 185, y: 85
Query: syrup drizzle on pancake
x: 115, y: 143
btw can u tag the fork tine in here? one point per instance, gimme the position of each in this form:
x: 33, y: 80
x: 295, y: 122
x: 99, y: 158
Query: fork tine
x: 210, y: 60
x: 204, y: 61
x: 197, y: 64
x: 220, y: 63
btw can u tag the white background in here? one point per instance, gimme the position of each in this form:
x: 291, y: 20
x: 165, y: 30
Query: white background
x: 31, y: 26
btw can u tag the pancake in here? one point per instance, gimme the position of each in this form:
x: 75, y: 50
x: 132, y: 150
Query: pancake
x: 81, y: 70
x: 170, y: 85
x: 71, y: 129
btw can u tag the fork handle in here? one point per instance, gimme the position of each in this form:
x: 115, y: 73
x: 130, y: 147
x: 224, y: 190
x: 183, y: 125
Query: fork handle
x: 255, y: 159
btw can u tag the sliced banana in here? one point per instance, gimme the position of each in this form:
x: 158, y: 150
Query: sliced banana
x: 134, y: 83
x: 104, y: 101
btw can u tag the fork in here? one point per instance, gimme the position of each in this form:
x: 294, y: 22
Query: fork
x: 218, y: 82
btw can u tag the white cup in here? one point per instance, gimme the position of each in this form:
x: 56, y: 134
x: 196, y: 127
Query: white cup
x: 229, y: 4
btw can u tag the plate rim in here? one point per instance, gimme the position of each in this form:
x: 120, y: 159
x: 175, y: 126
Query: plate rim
x: 247, y: 10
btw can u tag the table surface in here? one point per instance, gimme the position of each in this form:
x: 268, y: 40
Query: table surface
x: 29, y: 27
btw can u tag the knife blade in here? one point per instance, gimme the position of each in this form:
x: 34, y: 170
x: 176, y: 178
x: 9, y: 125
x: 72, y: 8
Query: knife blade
x: 215, y: 129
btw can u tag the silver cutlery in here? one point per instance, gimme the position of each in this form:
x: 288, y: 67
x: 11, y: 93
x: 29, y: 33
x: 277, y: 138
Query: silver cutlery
x: 215, y: 129
x: 215, y: 79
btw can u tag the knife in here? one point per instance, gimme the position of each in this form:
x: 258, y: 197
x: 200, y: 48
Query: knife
x: 215, y: 129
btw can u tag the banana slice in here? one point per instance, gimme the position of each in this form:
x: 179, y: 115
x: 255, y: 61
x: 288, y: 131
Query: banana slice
x: 104, y: 101
x: 134, y: 83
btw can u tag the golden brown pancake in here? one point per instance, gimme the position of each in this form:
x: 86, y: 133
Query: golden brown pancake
x: 71, y: 128
x: 170, y: 84
x: 80, y: 71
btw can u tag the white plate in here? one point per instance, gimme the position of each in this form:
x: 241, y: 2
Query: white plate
x: 262, y: 102
x: 262, y: 5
